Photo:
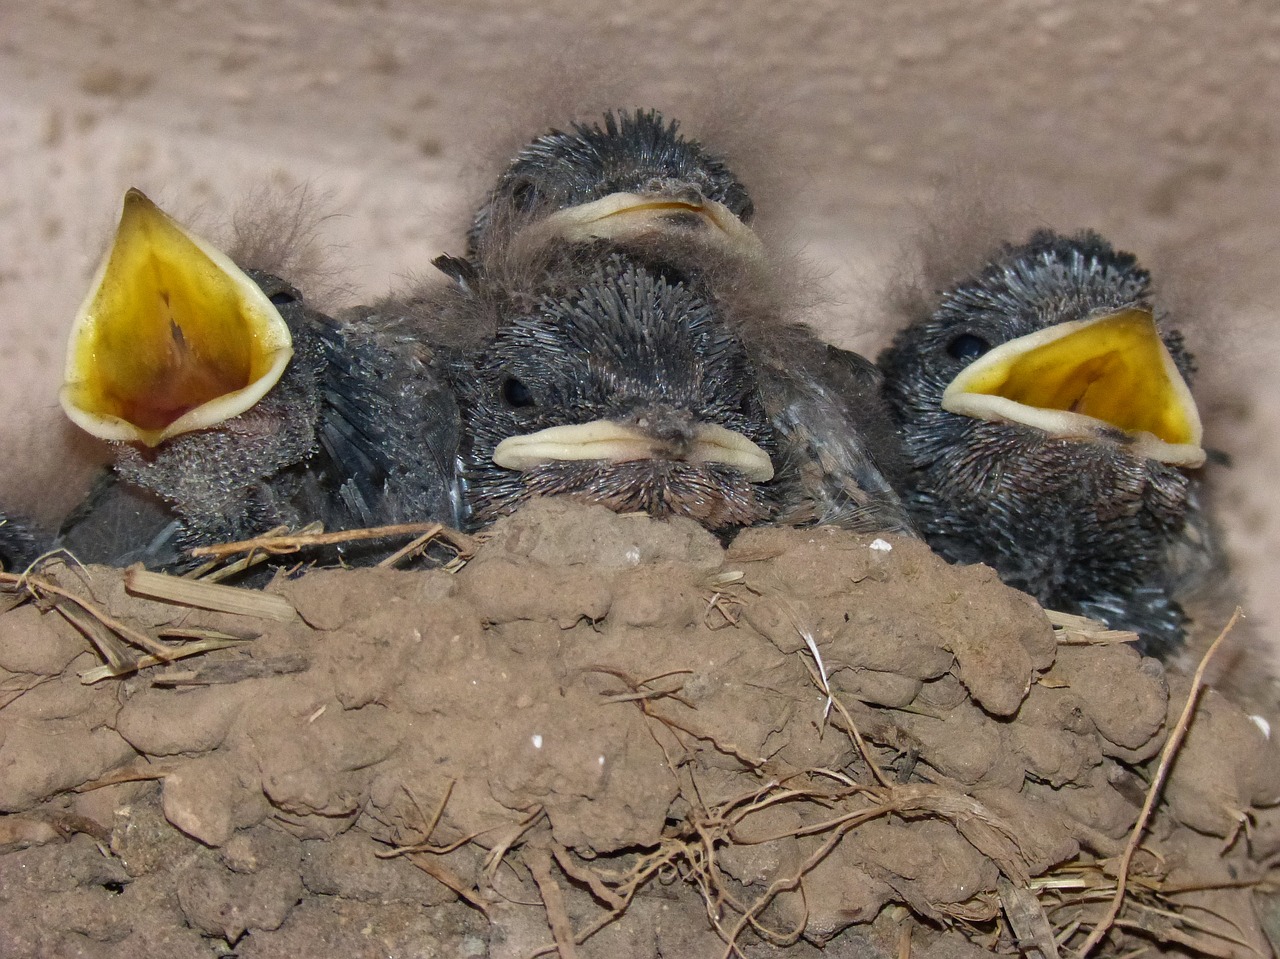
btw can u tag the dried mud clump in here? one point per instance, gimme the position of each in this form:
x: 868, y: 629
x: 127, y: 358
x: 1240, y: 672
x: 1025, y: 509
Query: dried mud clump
x: 609, y: 736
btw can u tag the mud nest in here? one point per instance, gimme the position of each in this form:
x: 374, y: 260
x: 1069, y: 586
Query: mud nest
x: 609, y: 736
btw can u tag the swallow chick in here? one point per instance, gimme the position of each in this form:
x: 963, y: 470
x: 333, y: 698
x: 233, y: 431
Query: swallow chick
x: 631, y: 177
x: 623, y: 382
x: 1049, y: 431
x: 618, y: 387
x: 234, y: 407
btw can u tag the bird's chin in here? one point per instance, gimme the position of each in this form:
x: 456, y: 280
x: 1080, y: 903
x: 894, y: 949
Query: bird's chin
x: 717, y: 497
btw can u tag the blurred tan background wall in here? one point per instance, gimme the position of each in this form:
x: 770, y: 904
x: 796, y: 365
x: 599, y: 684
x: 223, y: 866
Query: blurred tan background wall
x: 1155, y: 121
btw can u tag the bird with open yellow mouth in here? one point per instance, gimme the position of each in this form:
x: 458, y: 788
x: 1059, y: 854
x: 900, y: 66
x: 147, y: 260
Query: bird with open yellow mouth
x: 1050, y: 432
x: 233, y: 407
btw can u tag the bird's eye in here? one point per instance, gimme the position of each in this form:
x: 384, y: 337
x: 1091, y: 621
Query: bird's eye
x: 515, y: 393
x: 524, y: 195
x: 282, y: 298
x: 967, y: 347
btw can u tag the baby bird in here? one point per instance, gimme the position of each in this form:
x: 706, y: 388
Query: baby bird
x: 621, y: 386
x: 234, y: 407
x: 629, y: 177
x: 542, y: 257
x: 617, y: 380
x: 1049, y: 431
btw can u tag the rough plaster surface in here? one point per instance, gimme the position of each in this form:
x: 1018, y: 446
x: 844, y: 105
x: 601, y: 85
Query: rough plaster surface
x: 1152, y: 121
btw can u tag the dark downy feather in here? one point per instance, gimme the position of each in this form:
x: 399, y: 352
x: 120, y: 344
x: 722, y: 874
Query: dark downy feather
x: 19, y: 543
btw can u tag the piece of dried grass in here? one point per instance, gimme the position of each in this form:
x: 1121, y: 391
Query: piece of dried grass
x: 1167, y: 755
x: 179, y: 591
x: 281, y: 544
x: 1072, y: 630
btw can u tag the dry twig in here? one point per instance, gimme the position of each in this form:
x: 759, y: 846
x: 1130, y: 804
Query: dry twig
x: 277, y: 545
x: 42, y: 587
x: 1167, y: 755
x: 539, y: 862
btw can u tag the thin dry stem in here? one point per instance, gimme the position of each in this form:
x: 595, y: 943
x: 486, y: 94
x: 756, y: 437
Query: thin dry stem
x: 509, y: 839
x: 539, y: 862
x: 447, y: 877
x: 201, y: 594
x: 292, y: 543
x: 38, y: 585
x: 863, y: 749
x: 96, y: 675
x: 587, y: 877
x: 211, y: 572
x: 1153, y: 792
x: 411, y: 548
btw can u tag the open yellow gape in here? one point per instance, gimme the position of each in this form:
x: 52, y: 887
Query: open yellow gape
x: 172, y: 337
x: 1085, y: 379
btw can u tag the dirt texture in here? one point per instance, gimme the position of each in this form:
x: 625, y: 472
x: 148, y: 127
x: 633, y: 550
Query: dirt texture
x: 614, y: 730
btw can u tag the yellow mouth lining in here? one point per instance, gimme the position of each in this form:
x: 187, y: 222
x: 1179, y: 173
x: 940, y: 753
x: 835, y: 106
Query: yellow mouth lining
x: 172, y: 336
x: 1084, y: 379
x: 618, y: 443
x: 622, y: 216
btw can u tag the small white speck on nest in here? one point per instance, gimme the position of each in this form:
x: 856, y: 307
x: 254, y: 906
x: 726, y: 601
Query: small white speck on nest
x: 537, y: 741
x: 601, y: 760
x: 633, y: 555
x: 1262, y: 724
x: 881, y: 546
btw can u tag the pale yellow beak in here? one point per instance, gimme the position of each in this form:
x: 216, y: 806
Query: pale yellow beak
x: 624, y: 216
x: 172, y: 337
x: 1084, y: 380
x: 619, y: 443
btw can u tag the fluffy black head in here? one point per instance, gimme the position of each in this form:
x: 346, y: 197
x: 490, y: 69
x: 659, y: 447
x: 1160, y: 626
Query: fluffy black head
x: 628, y: 152
x: 1081, y: 525
x: 630, y: 345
